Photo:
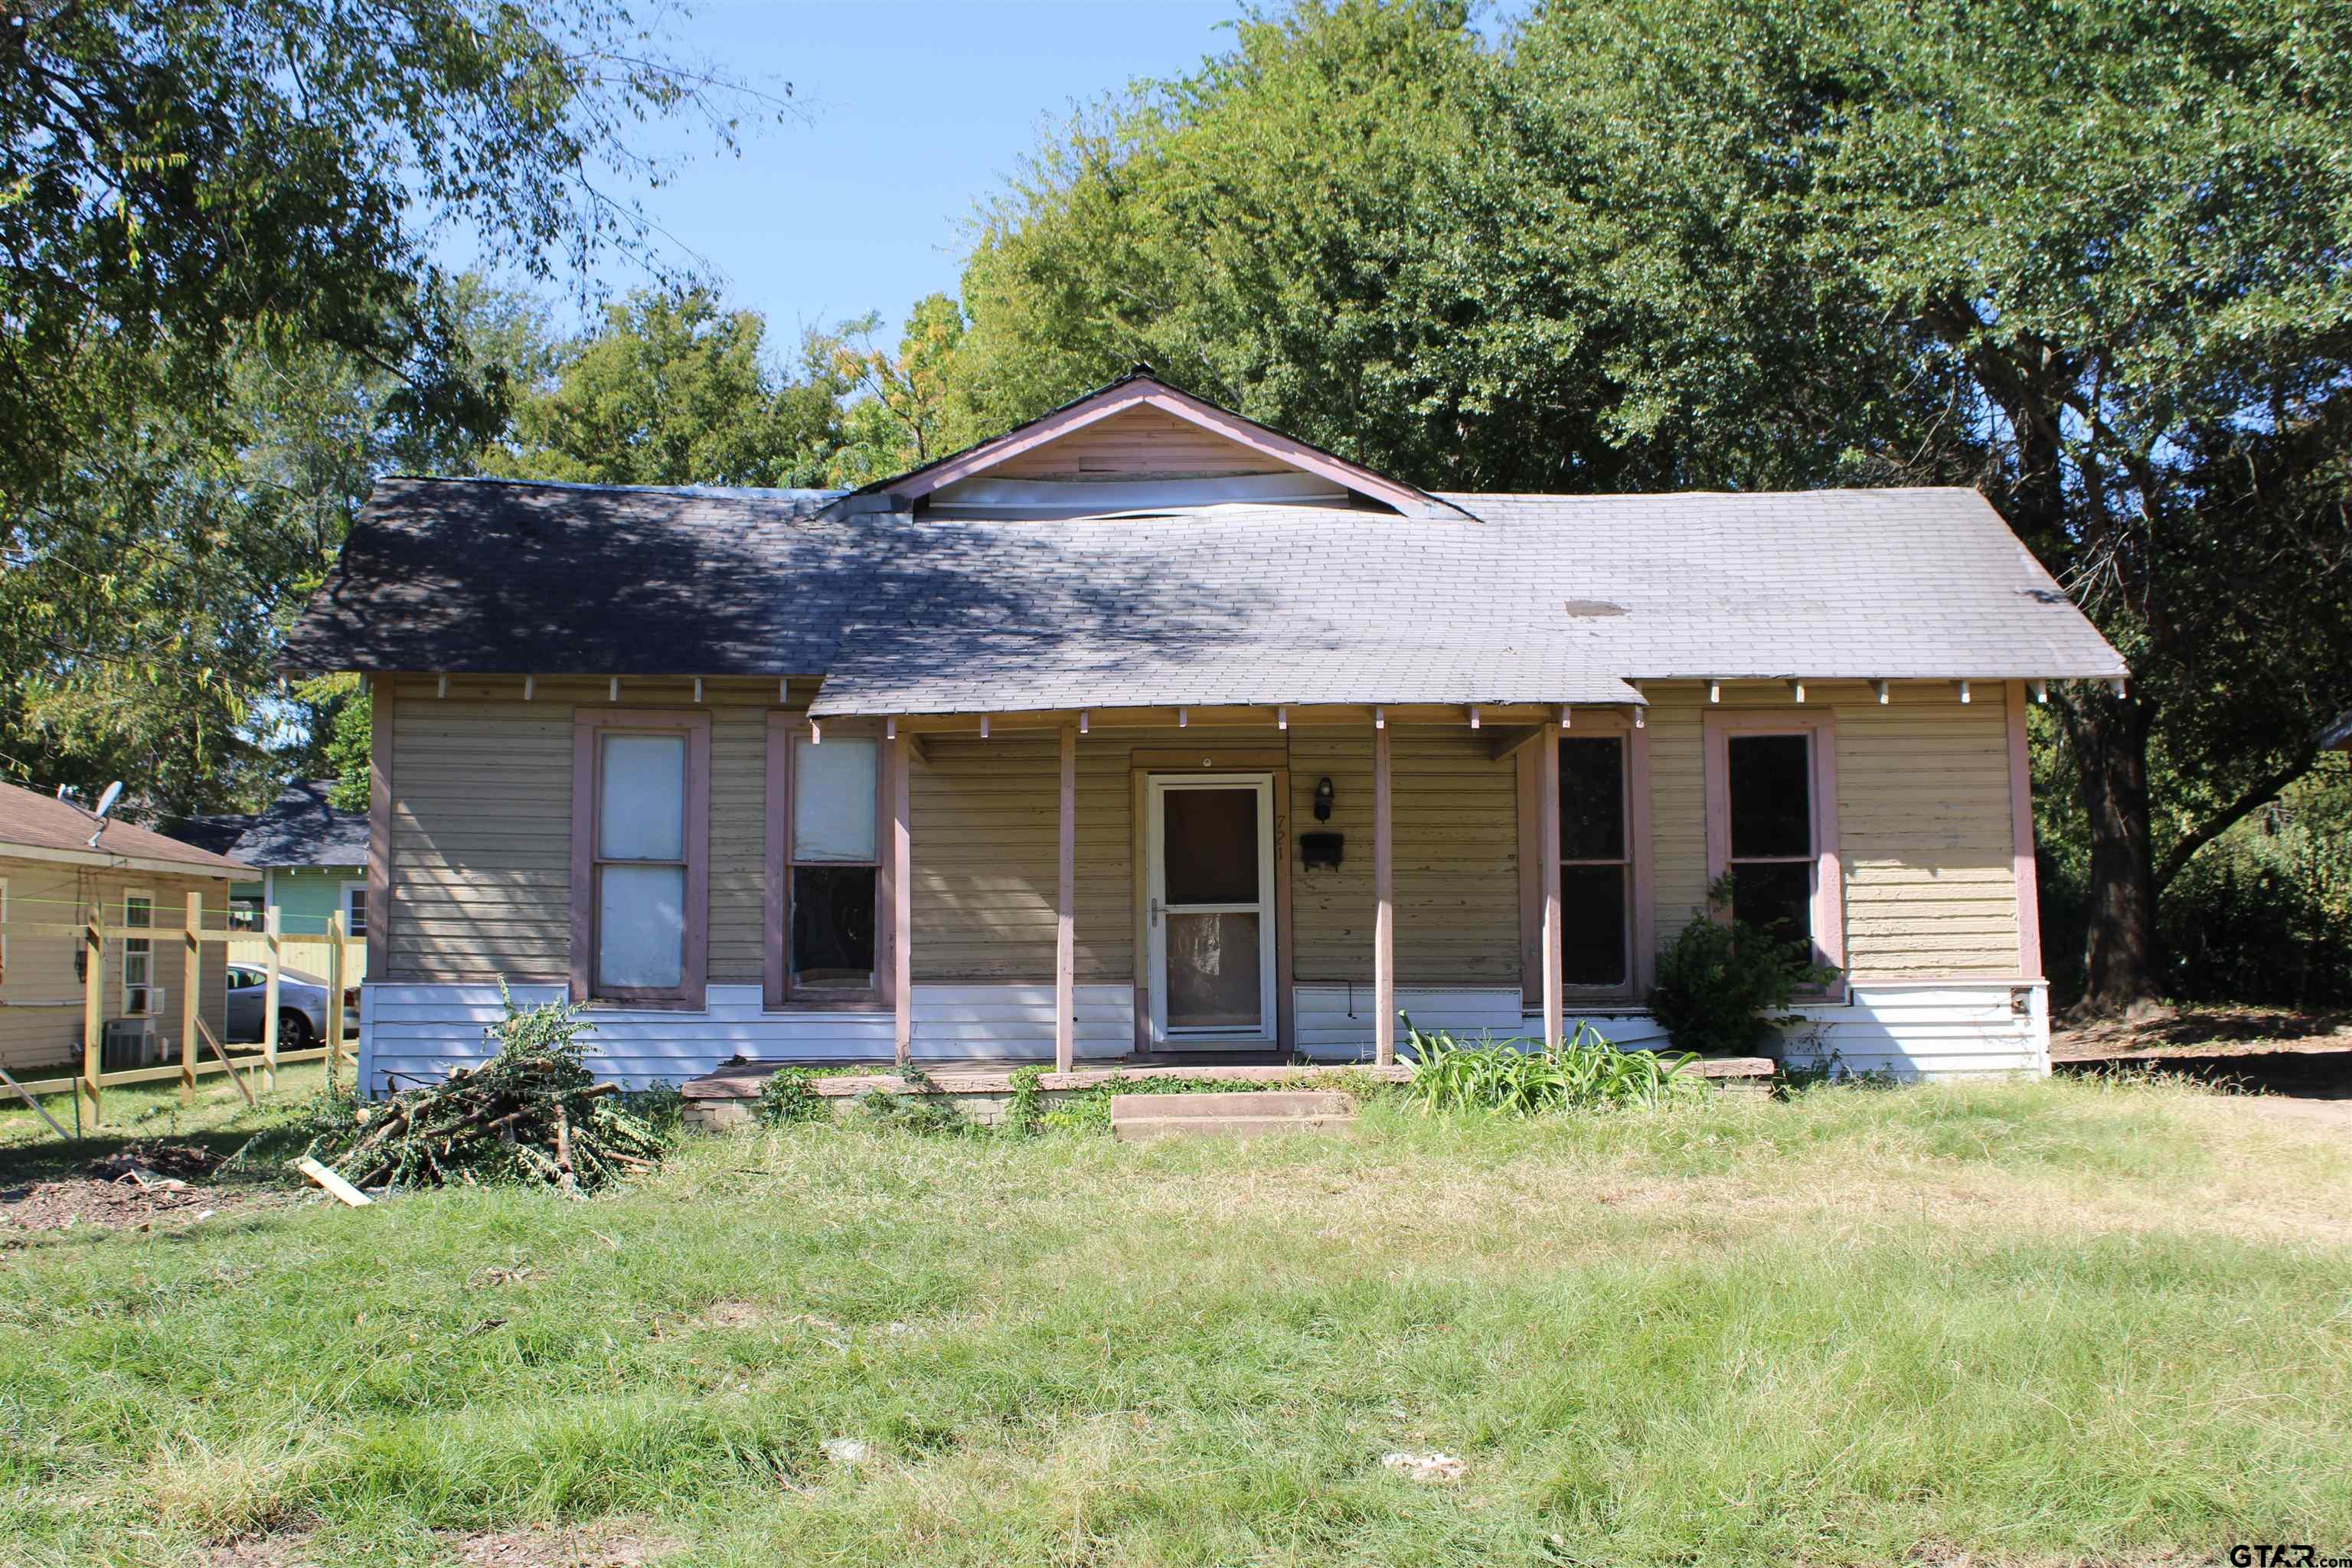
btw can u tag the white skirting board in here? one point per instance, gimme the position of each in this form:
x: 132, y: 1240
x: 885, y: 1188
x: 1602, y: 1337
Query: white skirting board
x: 1915, y: 1029
x: 423, y: 1031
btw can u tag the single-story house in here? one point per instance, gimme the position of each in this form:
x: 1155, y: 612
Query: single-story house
x: 56, y: 864
x: 1147, y: 732
x: 311, y: 857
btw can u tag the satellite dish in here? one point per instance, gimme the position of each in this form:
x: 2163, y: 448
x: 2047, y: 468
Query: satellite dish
x: 106, y: 802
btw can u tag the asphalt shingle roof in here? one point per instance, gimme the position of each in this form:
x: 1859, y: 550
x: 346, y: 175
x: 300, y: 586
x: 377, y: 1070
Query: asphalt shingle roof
x: 301, y: 830
x: 1527, y: 598
x: 38, y: 821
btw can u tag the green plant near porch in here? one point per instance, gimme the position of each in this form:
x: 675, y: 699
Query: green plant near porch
x: 1725, y: 986
x: 1525, y: 1077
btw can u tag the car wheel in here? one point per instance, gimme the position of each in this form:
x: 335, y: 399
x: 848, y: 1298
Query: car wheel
x: 293, y: 1030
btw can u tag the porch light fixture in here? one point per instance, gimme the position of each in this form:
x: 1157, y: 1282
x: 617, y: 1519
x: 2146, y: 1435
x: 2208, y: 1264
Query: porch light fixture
x: 1880, y: 687
x: 1323, y: 793
x: 1964, y: 692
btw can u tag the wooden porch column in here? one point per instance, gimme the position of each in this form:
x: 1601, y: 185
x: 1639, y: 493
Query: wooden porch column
x: 1384, y: 902
x: 1065, y: 938
x: 902, y: 898
x: 93, y: 1005
x: 1547, y: 845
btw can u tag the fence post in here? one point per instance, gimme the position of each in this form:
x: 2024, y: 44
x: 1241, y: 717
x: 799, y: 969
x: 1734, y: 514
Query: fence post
x: 269, y: 1003
x: 93, y: 1008
x: 192, y: 980
x: 334, y: 997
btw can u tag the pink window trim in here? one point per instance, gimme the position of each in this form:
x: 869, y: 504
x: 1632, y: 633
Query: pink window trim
x: 1829, y: 880
x: 588, y: 727
x: 1641, y: 925
x: 787, y: 729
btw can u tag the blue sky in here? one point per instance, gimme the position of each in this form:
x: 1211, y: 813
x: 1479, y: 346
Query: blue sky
x: 913, y: 109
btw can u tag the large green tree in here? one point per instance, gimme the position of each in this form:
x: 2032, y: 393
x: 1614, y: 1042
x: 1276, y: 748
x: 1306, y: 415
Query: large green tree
x: 2090, y: 258
x: 674, y: 389
x: 202, y: 203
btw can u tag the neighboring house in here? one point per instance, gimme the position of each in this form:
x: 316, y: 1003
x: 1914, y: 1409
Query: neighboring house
x: 312, y: 860
x: 1146, y: 730
x: 50, y: 879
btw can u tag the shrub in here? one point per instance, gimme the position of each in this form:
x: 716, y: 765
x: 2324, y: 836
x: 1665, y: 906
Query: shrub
x: 1725, y: 987
x: 1524, y: 1078
x: 789, y: 1096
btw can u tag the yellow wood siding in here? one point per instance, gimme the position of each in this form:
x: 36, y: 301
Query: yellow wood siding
x: 1141, y: 443
x: 481, y: 872
x: 1924, y: 823
x: 40, y: 999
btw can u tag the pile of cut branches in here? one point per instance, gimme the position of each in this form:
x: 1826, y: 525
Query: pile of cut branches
x: 532, y: 1112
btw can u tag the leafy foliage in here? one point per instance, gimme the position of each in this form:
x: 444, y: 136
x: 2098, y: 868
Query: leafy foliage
x: 1527, y: 1077
x: 1723, y: 987
x: 789, y: 1097
x: 532, y: 1112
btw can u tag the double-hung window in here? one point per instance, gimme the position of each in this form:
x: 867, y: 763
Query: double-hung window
x: 138, y: 954
x: 1771, y: 787
x: 825, y: 863
x: 1603, y: 859
x: 640, y: 852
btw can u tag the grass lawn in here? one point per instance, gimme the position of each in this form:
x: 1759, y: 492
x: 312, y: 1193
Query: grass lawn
x: 2024, y: 1322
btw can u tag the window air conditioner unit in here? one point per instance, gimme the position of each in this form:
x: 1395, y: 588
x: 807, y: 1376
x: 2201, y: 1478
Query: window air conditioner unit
x: 129, y: 1043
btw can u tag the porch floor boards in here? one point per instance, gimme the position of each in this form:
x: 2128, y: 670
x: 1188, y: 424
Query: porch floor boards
x: 742, y: 1080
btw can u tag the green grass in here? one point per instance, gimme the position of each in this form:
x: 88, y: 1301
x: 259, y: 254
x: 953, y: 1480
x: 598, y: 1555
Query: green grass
x: 2029, y: 1322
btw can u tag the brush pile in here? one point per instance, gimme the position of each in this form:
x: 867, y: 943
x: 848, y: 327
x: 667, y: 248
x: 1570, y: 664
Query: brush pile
x: 531, y: 1113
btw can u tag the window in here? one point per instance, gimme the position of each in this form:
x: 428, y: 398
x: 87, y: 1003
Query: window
x: 1603, y: 855
x: 640, y: 844
x: 1596, y: 873
x: 824, y: 836
x: 1772, y: 824
x: 355, y: 908
x: 243, y: 912
x: 138, y: 954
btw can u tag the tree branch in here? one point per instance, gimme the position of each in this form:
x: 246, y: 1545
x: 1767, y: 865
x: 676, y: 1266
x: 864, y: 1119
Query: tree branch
x: 2259, y: 796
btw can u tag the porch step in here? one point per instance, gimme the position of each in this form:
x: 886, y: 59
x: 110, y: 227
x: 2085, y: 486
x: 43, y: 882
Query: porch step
x: 1137, y: 1116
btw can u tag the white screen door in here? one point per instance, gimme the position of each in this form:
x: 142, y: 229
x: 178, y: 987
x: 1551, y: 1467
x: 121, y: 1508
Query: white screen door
x: 1211, y: 914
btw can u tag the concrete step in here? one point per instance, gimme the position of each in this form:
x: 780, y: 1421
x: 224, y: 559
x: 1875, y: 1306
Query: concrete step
x: 1135, y: 1118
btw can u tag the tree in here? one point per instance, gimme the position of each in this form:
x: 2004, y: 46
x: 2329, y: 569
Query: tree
x: 908, y: 409
x: 198, y: 202
x: 672, y: 390
x: 2088, y: 259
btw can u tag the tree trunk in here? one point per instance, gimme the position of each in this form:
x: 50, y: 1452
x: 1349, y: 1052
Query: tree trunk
x: 2110, y: 739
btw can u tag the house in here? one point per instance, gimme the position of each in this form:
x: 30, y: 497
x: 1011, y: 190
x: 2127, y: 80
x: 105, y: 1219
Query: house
x: 57, y: 865
x: 311, y: 857
x: 1145, y: 730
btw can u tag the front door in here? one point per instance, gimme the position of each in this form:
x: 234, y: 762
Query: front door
x: 1211, y: 912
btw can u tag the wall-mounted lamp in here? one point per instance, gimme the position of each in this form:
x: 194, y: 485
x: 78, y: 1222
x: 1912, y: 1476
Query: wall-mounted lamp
x: 1323, y: 800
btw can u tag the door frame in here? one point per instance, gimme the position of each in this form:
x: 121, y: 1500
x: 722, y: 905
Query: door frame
x: 1146, y: 764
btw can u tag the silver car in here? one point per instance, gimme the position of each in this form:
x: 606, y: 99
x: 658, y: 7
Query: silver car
x: 302, y: 1006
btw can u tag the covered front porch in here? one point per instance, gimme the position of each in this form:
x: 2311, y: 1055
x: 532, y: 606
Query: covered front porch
x: 1205, y: 870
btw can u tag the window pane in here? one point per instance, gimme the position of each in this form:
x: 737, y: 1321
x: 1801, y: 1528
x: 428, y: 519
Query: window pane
x: 1771, y: 795
x: 1592, y: 925
x: 1593, y: 798
x: 1212, y: 845
x: 1775, y: 896
x: 356, y: 912
x: 641, y: 926
x: 1213, y: 972
x: 138, y: 913
x: 832, y: 926
x: 833, y: 799
x: 643, y: 813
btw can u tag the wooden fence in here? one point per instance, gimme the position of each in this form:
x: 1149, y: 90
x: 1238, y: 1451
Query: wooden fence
x: 196, y: 1036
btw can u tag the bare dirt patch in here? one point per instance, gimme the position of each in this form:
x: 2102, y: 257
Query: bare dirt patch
x: 2295, y: 1066
x: 608, y: 1544
x: 136, y: 1187
x: 287, y: 1550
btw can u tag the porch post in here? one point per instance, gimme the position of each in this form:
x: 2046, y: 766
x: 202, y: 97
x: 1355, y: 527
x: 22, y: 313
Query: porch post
x: 1384, y: 899
x: 1065, y: 949
x: 1547, y: 845
x: 902, y: 899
